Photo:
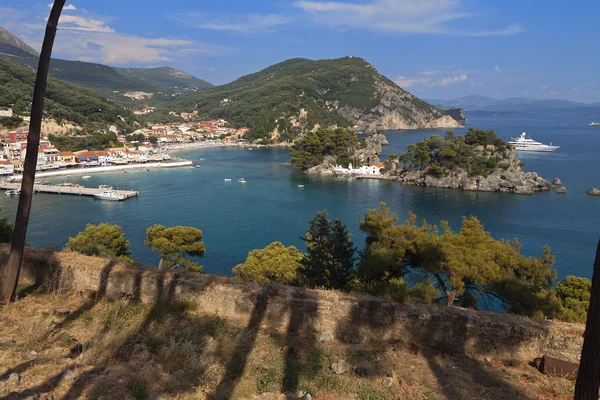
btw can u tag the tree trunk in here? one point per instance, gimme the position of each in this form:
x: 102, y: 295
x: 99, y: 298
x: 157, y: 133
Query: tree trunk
x: 10, y: 273
x: 588, y: 376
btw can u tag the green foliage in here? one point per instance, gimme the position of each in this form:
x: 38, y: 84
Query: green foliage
x: 464, y: 265
x: 312, y: 149
x: 175, y: 244
x: 103, y: 240
x: 273, y: 264
x: 138, y: 137
x: 478, y: 152
x: 11, y: 122
x: 282, y: 90
x: 574, y: 294
x: 7, y: 230
x: 330, y: 255
x: 96, y: 141
x: 64, y: 102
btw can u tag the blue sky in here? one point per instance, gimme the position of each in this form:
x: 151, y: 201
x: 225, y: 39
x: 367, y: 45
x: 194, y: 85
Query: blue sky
x: 433, y: 48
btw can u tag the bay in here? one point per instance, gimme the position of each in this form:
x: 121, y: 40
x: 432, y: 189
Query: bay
x: 237, y: 218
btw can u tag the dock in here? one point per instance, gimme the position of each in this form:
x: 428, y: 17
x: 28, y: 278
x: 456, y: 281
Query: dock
x: 73, y: 190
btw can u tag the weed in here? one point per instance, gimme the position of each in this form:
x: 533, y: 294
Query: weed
x: 268, y: 380
x: 66, y: 340
x: 137, y: 389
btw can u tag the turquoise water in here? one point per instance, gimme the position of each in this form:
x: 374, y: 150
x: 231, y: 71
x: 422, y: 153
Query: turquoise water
x: 237, y: 218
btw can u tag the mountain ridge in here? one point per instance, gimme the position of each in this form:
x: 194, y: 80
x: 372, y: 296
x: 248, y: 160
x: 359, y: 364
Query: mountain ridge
x: 283, y: 100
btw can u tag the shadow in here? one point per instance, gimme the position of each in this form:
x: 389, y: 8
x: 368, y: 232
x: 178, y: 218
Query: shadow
x: 445, y: 339
x: 237, y: 364
x: 300, y: 341
x: 92, y: 301
x: 18, y: 369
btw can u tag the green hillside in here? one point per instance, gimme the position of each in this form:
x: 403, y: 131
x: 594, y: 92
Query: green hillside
x: 64, y: 102
x: 164, y: 77
x: 339, y: 91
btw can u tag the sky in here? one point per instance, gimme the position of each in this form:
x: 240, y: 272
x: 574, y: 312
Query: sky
x: 436, y: 49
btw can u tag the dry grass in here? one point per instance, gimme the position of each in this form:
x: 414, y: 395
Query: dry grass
x: 134, y: 351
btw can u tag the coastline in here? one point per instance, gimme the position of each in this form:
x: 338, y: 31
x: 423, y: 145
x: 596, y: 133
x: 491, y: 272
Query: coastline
x: 112, y: 168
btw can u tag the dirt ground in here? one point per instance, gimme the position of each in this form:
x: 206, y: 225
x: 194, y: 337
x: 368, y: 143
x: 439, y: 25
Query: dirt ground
x: 70, y: 346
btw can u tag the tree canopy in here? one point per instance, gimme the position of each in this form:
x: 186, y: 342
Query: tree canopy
x: 314, y: 147
x: 273, y: 264
x: 103, y: 240
x: 479, y: 152
x: 175, y: 245
x: 330, y: 254
x: 466, y: 266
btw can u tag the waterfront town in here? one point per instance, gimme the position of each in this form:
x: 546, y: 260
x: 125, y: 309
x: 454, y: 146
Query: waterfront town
x: 151, y: 144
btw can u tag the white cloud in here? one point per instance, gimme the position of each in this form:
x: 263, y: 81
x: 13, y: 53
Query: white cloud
x: 90, y: 38
x: 497, y: 69
x: 68, y: 7
x: 231, y: 22
x: 399, y: 16
x: 405, y: 82
x: 509, y: 30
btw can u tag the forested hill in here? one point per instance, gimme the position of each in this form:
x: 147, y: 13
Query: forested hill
x: 64, y: 102
x: 164, y: 77
x: 105, y: 80
x: 298, y: 94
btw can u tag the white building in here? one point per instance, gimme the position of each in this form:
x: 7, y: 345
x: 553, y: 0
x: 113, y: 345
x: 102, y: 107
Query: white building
x: 364, y: 170
x: 6, y: 112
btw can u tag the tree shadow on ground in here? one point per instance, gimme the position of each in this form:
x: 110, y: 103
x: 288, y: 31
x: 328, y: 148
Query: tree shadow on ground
x: 445, y: 343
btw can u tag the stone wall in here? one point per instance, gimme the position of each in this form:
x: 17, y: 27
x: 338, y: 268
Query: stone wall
x: 353, y: 320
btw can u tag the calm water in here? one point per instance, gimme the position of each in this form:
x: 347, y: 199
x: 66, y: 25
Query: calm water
x: 238, y: 218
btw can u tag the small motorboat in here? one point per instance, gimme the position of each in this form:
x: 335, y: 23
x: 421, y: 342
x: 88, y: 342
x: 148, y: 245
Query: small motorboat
x: 241, y: 180
x: 13, y: 192
x: 110, y: 194
x: 227, y: 179
x: 300, y: 186
x: 86, y: 177
x: 197, y: 165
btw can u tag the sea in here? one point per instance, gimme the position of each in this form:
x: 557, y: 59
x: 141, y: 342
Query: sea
x: 237, y: 218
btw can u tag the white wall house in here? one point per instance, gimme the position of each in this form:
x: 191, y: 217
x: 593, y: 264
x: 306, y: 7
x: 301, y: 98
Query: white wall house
x: 364, y: 170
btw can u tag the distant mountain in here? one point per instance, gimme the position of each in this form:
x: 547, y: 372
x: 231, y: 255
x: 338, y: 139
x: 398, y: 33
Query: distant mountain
x: 102, y: 79
x: 299, y: 94
x: 164, y: 77
x: 13, y: 46
x: 481, y: 105
x: 64, y: 102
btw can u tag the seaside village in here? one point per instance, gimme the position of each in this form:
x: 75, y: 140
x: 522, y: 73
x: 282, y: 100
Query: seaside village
x: 159, y: 139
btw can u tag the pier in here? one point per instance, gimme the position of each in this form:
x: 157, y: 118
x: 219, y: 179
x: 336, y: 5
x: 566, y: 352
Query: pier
x: 73, y: 190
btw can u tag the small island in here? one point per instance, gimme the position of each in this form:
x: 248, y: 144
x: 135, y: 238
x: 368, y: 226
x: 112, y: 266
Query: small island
x: 477, y: 161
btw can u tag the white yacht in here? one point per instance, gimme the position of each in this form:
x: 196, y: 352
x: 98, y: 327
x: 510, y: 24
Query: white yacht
x: 110, y: 194
x: 86, y: 177
x: 524, y: 144
x: 241, y: 180
x: 227, y: 179
x: 594, y: 124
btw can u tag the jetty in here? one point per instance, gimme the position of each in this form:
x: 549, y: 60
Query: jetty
x: 73, y: 190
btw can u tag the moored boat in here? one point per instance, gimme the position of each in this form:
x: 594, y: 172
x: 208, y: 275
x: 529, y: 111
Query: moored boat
x: 13, y: 192
x: 86, y: 177
x: 241, y: 180
x: 522, y: 143
x: 110, y: 194
x: 227, y: 179
x: 594, y: 124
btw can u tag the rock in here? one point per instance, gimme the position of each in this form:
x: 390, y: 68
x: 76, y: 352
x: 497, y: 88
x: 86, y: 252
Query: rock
x: 60, y: 312
x: 75, y: 349
x: 388, y: 382
x: 561, y: 190
x: 556, y: 181
x: 593, y: 192
x: 488, y: 360
x: 28, y: 394
x: 340, y: 367
x: 325, y: 337
x: 307, y: 396
x: 48, y: 396
x: 149, y: 364
x: 13, y: 379
x: 68, y: 375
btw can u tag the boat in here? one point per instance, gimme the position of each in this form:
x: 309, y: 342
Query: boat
x: 13, y: 192
x: 241, y: 180
x: 197, y: 166
x: 522, y: 143
x: 594, y: 124
x: 227, y: 180
x: 104, y: 187
x: 300, y: 186
x: 110, y: 194
x: 86, y: 177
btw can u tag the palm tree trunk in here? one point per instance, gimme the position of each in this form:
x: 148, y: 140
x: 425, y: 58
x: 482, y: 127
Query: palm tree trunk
x: 588, y: 376
x: 10, y: 273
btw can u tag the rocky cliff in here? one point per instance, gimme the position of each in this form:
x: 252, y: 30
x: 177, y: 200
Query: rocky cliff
x: 510, y: 177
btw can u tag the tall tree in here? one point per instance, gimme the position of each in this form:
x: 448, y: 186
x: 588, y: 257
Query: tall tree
x: 12, y: 269
x: 588, y: 376
x: 103, y: 240
x: 330, y: 254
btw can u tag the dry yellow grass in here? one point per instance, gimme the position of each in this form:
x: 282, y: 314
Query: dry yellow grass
x: 173, y: 352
